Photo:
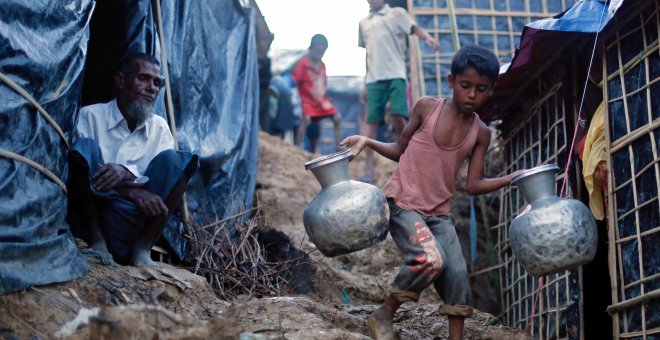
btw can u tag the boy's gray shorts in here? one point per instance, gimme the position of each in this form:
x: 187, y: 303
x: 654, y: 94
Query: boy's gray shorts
x: 432, y: 254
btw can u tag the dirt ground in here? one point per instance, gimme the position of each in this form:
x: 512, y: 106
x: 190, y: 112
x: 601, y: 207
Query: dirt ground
x: 172, y: 303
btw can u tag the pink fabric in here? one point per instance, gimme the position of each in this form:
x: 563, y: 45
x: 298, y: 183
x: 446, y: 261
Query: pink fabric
x: 424, y: 180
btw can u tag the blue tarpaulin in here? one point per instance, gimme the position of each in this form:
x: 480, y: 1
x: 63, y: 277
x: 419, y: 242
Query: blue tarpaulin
x: 541, y: 40
x: 42, y: 49
x: 586, y: 16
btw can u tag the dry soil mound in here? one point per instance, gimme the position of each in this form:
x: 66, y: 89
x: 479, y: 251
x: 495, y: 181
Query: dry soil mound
x: 172, y: 303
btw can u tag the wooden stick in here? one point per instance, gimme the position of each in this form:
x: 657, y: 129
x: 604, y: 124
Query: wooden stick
x: 486, y: 270
x: 453, y: 24
x: 168, y: 98
x: 230, y: 217
x: 618, y: 307
x: 27, y: 325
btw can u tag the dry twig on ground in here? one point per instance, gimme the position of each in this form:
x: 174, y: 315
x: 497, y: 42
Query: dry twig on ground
x: 228, y: 253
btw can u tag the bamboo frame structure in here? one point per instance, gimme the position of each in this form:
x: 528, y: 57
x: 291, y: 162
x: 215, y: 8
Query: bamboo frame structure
x: 169, y: 106
x: 632, y: 59
x: 539, y: 138
x: 495, y: 24
x: 631, y: 73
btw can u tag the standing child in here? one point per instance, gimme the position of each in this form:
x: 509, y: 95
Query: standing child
x: 383, y: 34
x: 311, y: 80
x: 440, y: 135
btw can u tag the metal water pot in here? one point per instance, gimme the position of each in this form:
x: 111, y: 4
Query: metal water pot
x: 552, y: 234
x: 346, y: 216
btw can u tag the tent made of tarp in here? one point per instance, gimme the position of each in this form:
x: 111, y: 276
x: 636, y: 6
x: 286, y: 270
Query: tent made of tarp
x: 63, y: 53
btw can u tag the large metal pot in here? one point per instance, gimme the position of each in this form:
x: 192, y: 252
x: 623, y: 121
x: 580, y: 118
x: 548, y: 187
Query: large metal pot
x: 552, y: 234
x: 346, y: 216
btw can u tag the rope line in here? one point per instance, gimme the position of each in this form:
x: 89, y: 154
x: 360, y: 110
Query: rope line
x: 584, y: 94
x: 38, y: 106
x: 570, y: 154
x: 35, y: 165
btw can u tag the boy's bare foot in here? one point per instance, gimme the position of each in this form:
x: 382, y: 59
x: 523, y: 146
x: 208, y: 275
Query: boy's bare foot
x: 381, y: 326
x: 142, y: 258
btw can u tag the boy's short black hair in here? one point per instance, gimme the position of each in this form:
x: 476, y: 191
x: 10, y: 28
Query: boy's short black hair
x: 319, y: 39
x: 126, y: 65
x: 480, y: 58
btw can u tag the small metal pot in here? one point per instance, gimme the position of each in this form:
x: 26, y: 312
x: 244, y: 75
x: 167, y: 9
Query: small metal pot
x: 347, y: 215
x: 552, y: 234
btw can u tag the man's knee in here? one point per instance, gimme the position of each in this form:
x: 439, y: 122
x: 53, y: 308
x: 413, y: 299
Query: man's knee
x: 85, y: 156
x: 169, y: 161
x: 167, y: 156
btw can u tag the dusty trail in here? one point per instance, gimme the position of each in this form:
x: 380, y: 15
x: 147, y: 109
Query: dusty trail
x: 173, y: 303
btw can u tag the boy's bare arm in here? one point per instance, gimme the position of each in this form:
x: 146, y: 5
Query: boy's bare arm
x: 393, y: 150
x: 422, y: 34
x: 476, y: 184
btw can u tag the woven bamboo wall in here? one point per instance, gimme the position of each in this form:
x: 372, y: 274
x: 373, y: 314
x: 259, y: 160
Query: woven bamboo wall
x: 540, y: 139
x: 496, y: 24
x: 632, y: 67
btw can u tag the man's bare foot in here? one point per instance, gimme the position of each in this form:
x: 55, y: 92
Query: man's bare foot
x: 380, y: 325
x: 101, y: 251
x: 142, y: 258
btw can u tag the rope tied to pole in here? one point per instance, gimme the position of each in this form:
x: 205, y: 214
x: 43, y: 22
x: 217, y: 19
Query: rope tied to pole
x: 580, y: 122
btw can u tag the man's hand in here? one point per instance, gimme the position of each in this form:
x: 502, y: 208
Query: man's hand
x: 149, y: 203
x: 356, y: 143
x: 110, y: 175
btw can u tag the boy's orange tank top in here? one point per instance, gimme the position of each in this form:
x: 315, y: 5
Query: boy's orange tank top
x: 424, y: 180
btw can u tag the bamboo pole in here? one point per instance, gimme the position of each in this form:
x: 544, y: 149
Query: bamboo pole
x: 611, y: 217
x: 415, y: 71
x: 163, y: 53
x: 492, y: 256
x: 638, y: 300
x: 453, y: 24
x: 168, y: 95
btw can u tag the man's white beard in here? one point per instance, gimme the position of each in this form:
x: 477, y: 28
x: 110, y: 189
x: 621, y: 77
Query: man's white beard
x: 139, y: 111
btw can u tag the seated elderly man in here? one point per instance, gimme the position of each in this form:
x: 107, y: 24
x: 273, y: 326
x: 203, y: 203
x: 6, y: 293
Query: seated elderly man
x: 125, y: 177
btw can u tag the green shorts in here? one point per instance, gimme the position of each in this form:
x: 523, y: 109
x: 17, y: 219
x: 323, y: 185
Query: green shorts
x: 382, y: 91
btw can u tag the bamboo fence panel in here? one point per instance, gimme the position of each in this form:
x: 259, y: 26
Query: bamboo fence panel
x: 632, y: 69
x: 495, y: 24
x: 538, y: 139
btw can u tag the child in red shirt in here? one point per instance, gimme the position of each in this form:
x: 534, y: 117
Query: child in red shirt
x: 311, y: 81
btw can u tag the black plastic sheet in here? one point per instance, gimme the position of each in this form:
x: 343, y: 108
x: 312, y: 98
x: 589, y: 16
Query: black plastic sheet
x: 42, y: 49
x: 213, y: 68
x: 44, y: 45
x: 211, y: 56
